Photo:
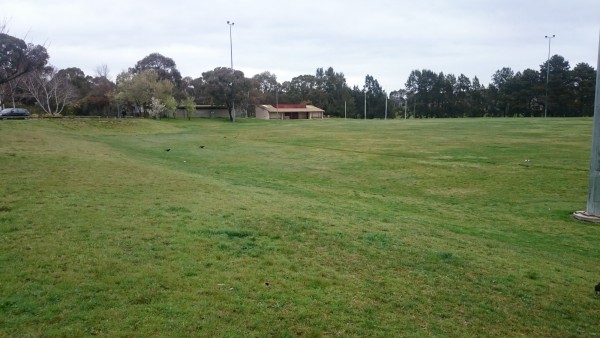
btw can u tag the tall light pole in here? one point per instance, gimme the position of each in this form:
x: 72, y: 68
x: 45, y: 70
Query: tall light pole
x: 548, y: 73
x: 365, y: 103
x: 232, y: 71
x: 385, y: 116
x: 277, y: 100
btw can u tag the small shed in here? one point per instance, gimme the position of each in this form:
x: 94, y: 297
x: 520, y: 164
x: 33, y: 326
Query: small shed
x: 288, y: 111
x: 204, y: 110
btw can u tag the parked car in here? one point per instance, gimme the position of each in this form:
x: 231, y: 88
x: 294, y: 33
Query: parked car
x: 14, y: 113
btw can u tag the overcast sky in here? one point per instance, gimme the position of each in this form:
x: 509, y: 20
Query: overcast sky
x: 385, y: 39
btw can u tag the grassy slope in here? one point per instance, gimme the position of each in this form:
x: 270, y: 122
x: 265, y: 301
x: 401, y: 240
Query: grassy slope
x: 360, y: 228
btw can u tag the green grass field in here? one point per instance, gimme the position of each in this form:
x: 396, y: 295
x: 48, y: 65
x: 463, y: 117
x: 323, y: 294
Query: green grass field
x: 297, y: 228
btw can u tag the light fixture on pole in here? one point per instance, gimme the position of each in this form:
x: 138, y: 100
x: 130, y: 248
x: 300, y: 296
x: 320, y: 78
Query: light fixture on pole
x: 548, y: 73
x: 232, y: 71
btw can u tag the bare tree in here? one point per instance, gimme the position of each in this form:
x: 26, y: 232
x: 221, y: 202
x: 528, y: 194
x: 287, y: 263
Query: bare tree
x: 4, y: 25
x: 50, y: 89
x: 103, y: 71
x: 8, y: 91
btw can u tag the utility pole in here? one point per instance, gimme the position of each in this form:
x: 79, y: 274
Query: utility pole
x: 232, y: 72
x: 345, y: 110
x: 365, y: 103
x: 385, y: 116
x: 548, y: 74
x: 592, y: 211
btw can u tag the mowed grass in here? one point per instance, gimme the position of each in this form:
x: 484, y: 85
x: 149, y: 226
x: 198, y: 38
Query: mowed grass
x: 296, y: 228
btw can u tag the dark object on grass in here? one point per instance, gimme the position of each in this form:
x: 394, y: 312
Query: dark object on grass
x: 168, y: 149
x: 597, y: 288
x: 201, y: 147
x: 14, y: 113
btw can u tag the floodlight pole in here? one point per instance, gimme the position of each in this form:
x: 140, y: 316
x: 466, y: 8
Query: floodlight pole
x: 277, y: 99
x: 365, y: 103
x: 232, y: 71
x: 548, y: 73
x: 345, y: 110
x: 385, y: 116
x: 592, y: 211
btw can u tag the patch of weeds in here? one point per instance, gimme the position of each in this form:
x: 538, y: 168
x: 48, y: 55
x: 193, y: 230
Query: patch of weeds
x: 526, y: 298
x: 4, y: 208
x: 380, y: 240
x: 446, y: 256
x: 230, y: 233
x: 177, y: 209
x: 532, y: 275
x: 9, y: 220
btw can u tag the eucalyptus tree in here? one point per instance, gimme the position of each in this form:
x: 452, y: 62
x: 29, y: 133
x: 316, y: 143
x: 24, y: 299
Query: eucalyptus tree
x: 375, y: 97
x: 398, y: 102
x: 557, y: 83
x: 224, y: 87
x: 500, y: 90
x: 477, y: 95
x: 264, y: 88
x: 526, y: 91
x: 165, y: 68
x: 421, y: 85
x: 17, y: 59
x: 336, y: 92
x: 97, y: 102
x: 301, y: 89
x: 583, y: 79
x: 462, y: 92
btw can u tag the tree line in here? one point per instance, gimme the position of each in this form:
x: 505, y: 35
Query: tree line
x: 154, y: 87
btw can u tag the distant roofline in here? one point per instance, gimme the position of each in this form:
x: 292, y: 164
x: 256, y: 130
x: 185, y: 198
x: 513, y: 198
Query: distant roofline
x: 307, y: 108
x: 205, y: 106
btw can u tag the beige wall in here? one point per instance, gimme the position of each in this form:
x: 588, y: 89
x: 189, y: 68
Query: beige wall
x: 262, y: 113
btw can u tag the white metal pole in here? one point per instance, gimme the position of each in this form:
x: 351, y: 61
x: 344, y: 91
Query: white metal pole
x: 232, y: 71
x: 593, y: 204
x: 385, y: 116
x: 592, y: 210
x: 365, y: 104
x: 547, y: 74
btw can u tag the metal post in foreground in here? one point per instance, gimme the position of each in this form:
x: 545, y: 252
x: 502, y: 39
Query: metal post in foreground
x: 592, y: 211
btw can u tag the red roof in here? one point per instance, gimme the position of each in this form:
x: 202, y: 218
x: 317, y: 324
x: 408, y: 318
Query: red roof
x: 290, y: 105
